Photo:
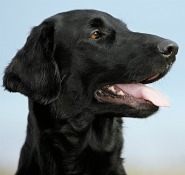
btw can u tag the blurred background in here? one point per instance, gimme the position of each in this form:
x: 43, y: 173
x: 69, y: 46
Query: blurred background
x: 153, y: 146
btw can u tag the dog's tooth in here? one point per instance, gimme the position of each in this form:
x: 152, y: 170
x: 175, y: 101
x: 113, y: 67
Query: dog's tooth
x: 120, y: 93
x: 102, y: 92
x: 111, y: 88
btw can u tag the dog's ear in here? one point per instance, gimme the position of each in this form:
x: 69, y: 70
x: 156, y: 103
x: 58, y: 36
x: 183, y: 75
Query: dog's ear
x: 33, y: 71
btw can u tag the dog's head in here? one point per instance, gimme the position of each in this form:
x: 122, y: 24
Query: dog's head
x: 93, y: 61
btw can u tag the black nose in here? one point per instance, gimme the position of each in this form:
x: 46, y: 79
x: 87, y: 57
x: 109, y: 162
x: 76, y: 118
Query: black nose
x: 168, y: 48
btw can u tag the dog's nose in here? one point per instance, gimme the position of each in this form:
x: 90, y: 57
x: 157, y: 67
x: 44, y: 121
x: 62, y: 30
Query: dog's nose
x: 168, y: 48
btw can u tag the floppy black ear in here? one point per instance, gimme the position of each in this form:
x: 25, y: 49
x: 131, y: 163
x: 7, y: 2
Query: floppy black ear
x: 33, y: 71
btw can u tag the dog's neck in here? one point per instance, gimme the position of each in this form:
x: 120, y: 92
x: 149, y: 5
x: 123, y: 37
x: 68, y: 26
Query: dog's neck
x: 73, y: 135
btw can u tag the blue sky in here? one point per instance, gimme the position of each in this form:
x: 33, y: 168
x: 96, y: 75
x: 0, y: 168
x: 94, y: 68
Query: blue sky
x: 158, y: 141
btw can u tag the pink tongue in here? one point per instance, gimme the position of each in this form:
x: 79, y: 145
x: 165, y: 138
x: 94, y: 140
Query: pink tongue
x: 141, y: 91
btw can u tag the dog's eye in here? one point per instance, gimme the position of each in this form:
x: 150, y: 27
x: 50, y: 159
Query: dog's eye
x: 95, y: 35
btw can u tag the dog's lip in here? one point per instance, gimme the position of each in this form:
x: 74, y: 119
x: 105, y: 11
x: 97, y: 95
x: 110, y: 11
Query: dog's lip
x: 156, y: 76
x: 151, y: 79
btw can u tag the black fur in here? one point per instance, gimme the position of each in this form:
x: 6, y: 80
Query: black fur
x: 69, y: 132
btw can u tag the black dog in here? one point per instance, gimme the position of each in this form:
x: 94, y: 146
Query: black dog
x: 82, y: 71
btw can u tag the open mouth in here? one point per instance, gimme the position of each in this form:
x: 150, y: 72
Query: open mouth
x: 135, y: 95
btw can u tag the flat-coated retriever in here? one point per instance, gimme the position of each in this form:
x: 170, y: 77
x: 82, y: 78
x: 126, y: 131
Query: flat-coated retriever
x: 82, y: 71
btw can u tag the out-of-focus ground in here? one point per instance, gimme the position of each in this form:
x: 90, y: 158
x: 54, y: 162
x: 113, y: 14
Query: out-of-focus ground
x: 130, y: 171
x: 147, y: 171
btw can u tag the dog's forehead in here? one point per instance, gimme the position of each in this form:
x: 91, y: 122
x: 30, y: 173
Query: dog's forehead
x: 85, y: 17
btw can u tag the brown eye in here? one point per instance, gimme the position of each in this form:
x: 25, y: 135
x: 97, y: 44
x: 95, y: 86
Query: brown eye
x: 95, y: 35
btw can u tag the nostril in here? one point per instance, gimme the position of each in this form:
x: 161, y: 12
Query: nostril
x: 168, y: 49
